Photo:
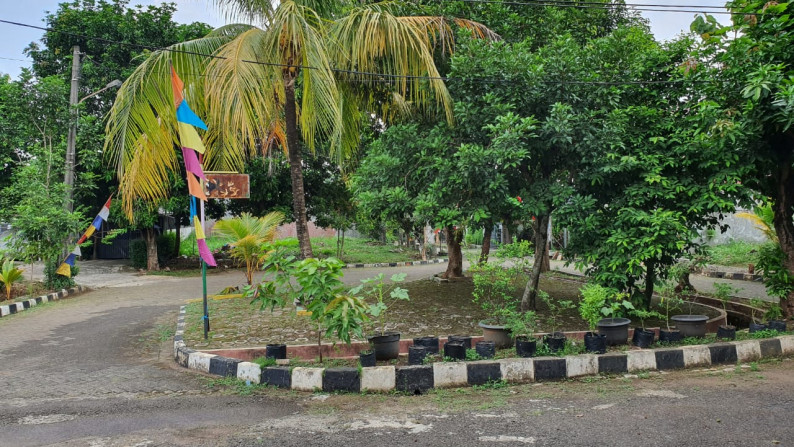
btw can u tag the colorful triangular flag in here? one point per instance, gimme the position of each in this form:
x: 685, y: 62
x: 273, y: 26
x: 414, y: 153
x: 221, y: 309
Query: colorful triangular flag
x: 185, y: 115
x: 64, y: 270
x: 199, y: 229
x: 177, y: 86
x: 192, y: 163
x: 195, y: 188
x: 205, y: 253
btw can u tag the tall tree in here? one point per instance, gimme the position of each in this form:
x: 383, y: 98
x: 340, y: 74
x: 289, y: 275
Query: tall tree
x: 745, y: 73
x: 113, y: 37
x: 307, y: 51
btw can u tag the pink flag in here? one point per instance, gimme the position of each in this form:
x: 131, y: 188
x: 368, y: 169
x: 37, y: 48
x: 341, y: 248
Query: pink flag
x: 205, y: 252
x: 192, y: 163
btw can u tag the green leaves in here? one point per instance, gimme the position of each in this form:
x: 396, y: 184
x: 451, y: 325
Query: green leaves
x: 376, y: 288
x: 9, y: 275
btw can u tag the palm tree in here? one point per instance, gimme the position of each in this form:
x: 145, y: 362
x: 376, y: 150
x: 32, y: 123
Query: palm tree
x: 246, y: 234
x: 246, y: 80
x: 9, y: 275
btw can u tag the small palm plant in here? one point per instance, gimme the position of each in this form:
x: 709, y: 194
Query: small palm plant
x: 247, y: 236
x: 9, y: 275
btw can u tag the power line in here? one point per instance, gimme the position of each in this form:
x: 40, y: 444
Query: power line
x: 700, y: 9
x: 353, y: 72
x: 11, y: 59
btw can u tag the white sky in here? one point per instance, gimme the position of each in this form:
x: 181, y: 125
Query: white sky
x: 14, y: 39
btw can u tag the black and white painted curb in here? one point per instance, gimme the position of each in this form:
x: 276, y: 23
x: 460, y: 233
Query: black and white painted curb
x: 736, y: 276
x: 420, y: 378
x: 20, y: 306
x: 396, y: 264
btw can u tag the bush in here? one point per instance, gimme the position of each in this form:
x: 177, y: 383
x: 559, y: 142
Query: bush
x: 54, y: 281
x: 165, y: 247
x: 474, y: 237
x: 138, y: 254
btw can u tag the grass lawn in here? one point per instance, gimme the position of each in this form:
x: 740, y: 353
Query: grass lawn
x: 357, y: 250
x: 735, y: 253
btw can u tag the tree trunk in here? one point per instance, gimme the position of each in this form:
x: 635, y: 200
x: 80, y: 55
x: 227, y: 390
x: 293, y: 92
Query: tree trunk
x: 650, y: 277
x: 784, y: 226
x: 486, y: 243
x: 150, y: 237
x: 296, y: 167
x: 541, y: 241
x: 529, y: 298
x: 423, y: 246
x: 455, y: 254
x: 506, y: 239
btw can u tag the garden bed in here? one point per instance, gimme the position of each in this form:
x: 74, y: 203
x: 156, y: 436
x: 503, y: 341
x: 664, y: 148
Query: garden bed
x: 437, y: 309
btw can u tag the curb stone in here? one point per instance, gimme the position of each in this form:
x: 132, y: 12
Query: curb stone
x: 419, y: 379
x: 17, y: 307
x: 395, y: 264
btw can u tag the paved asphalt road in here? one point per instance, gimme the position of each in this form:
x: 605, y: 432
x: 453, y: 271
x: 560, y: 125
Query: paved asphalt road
x: 96, y: 370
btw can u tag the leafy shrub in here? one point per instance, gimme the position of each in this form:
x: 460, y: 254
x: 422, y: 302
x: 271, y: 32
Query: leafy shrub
x: 138, y: 254
x: 474, y: 237
x: 520, y: 249
x: 165, y: 247
x: 54, y: 281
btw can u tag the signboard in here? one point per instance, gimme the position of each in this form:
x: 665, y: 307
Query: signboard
x: 227, y: 185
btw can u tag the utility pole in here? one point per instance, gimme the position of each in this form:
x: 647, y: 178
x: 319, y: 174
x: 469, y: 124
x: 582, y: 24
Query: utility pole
x: 71, y: 141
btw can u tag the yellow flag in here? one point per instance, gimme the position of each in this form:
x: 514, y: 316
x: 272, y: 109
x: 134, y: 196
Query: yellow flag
x: 199, y: 228
x: 189, y: 138
x: 90, y: 231
x: 65, y: 270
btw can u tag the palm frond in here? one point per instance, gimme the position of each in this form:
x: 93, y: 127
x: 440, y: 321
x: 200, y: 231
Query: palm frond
x: 245, y: 98
x: 373, y: 40
x: 143, y: 117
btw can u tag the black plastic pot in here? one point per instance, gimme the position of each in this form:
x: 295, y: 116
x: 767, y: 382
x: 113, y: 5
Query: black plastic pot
x: 726, y: 332
x: 367, y: 358
x: 669, y: 335
x: 497, y: 334
x: 429, y: 343
x: 642, y: 338
x: 386, y: 346
x: 526, y: 346
x: 691, y: 325
x: 594, y: 342
x: 275, y: 351
x: 755, y: 327
x: 555, y: 341
x: 615, y: 329
x: 455, y: 350
x: 776, y: 325
x: 464, y: 339
x: 485, y: 349
x: 416, y: 355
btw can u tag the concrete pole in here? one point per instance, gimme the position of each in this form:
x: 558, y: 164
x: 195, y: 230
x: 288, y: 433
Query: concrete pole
x: 71, y: 141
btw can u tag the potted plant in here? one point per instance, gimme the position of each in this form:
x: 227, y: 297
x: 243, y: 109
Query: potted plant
x: 757, y: 307
x: 643, y: 337
x: 522, y: 327
x: 594, y: 297
x: 555, y: 340
x: 615, y: 326
x: 669, y: 302
x: 774, y: 318
x: 493, y: 292
x: 723, y: 292
x: 385, y: 344
x: 9, y: 275
x: 691, y: 325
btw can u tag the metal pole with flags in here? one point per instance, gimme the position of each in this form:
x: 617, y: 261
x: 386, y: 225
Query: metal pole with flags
x: 192, y: 153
